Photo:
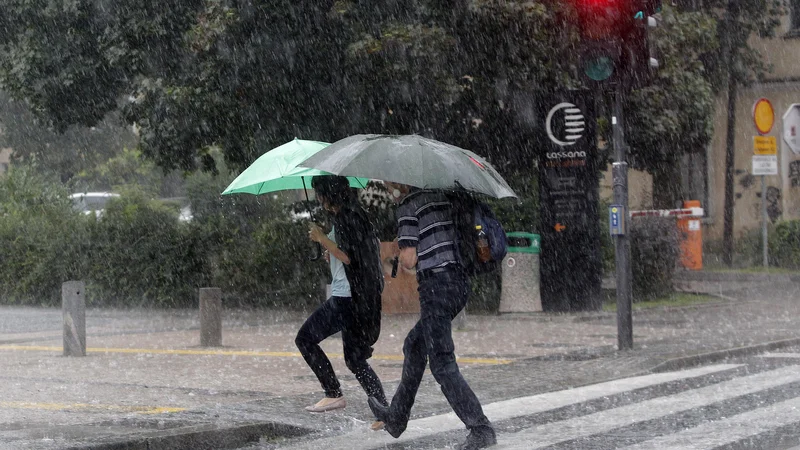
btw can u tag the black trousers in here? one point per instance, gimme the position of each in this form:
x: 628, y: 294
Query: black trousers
x: 335, y: 315
x: 442, y: 296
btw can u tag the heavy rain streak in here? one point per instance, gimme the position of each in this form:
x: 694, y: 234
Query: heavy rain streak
x: 340, y: 224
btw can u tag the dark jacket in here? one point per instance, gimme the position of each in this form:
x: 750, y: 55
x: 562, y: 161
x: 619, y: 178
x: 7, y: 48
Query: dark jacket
x: 356, y: 236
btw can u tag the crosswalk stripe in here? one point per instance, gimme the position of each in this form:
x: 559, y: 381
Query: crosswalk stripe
x: 604, y: 421
x: 781, y: 355
x: 729, y: 430
x: 517, y: 407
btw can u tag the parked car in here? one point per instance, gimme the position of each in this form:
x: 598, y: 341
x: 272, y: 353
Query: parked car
x: 91, y: 202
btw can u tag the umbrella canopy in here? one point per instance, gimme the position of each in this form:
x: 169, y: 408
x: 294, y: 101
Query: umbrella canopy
x: 277, y: 170
x: 412, y: 160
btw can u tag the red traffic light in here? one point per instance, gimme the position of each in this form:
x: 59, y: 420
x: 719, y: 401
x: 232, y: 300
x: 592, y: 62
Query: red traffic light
x: 603, y: 19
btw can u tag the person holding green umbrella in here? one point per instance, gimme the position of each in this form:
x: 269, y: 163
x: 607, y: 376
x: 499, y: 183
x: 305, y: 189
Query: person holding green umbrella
x: 357, y: 316
x: 356, y: 309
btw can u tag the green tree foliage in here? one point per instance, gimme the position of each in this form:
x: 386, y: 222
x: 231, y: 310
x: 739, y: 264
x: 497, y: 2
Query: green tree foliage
x: 247, y: 75
x: 41, y: 237
x: 64, y: 153
x: 674, y: 116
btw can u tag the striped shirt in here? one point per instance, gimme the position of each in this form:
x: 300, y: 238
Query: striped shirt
x: 424, y: 221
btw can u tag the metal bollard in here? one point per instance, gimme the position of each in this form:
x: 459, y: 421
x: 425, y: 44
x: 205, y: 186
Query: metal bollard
x: 73, y: 311
x: 210, y: 317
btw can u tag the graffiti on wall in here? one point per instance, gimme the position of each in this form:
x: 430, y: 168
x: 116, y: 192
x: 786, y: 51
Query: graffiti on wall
x: 794, y: 174
x: 774, y: 210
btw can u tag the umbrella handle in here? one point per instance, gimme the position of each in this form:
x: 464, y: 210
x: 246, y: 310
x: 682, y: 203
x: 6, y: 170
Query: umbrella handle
x: 318, y: 254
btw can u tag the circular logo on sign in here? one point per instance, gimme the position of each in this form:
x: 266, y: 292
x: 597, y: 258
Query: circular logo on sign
x: 565, y: 124
x: 511, y: 262
x: 763, y: 116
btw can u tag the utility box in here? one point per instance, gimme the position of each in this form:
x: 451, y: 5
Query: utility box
x: 520, y: 291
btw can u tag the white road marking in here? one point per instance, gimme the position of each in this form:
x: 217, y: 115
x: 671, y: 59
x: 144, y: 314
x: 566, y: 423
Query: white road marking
x: 780, y: 355
x: 508, y: 409
x: 728, y: 430
x: 605, y: 421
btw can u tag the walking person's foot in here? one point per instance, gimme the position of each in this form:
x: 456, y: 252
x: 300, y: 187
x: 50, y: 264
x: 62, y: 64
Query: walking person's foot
x: 479, y: 438
x: 381, y: 413
x: 327, y: 404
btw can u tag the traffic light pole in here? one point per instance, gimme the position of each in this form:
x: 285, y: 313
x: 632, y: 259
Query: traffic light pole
x: 622, y: 246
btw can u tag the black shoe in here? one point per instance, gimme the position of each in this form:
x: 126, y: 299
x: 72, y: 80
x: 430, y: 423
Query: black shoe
x: 479, y: 438
x: 381, y: 412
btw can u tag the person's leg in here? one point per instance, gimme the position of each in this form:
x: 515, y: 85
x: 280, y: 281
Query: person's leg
x: 357, y: 348
x: 399, y: 411
x: 322, y: 323
x: 449, y: 292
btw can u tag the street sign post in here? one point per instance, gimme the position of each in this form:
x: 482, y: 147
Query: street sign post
x: 763, y: 116
x: 791, y: 128
x: 765, y: 145
x: 765, y: 165
x: 765, y: 160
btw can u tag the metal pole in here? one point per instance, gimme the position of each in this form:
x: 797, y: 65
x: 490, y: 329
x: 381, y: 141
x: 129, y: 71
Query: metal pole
x: 764, y: 237
x: 622, y: 247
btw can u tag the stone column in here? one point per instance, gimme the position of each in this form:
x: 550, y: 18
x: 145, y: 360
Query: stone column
x: 73, y: 309
x: 210, y: 317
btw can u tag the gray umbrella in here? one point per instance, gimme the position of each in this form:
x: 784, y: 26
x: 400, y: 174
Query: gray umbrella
x: 412, y: 160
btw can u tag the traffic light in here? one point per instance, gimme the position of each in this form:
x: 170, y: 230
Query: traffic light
x: 642, y: 62
x: 614, y: 39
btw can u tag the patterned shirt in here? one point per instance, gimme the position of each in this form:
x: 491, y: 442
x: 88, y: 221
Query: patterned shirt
x: 424, y: 221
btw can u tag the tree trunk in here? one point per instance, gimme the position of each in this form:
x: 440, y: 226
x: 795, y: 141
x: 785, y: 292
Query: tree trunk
x: 730, y: 147
x: 667, y: 187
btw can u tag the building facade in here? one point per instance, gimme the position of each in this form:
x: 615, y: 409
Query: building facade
x: 782, y: 88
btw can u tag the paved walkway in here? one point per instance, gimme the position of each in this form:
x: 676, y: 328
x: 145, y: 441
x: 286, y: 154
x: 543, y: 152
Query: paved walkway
x: 147, y: 382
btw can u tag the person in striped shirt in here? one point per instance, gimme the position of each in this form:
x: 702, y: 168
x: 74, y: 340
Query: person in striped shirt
x: 426, y: 241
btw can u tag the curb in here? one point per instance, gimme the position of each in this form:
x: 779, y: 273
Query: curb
x: 711, y: 276
x: 199, y: 437
x: 684, y: 362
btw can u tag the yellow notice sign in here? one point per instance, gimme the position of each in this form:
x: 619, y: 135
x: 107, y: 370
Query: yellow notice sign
x: 765, y: 145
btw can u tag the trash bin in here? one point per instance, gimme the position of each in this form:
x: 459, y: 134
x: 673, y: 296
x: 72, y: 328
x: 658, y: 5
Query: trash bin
x: 520, y: 288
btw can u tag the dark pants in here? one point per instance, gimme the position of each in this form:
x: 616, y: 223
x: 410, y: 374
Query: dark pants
x: 441, y: 297
x: 335, y: 315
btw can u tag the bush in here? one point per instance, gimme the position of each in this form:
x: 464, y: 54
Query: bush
x: 655, y: 249
x: 784, y: 245
x: 141, y: 255
x: 41, y: 238
x: 272, y: 267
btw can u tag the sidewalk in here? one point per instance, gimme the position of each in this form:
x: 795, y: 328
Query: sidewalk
x: 146, y: 383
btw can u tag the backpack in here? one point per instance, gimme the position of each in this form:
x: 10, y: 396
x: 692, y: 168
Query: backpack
x: 467, y: 213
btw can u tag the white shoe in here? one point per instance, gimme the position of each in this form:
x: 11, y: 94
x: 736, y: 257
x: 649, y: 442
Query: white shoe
x: 327, y: 404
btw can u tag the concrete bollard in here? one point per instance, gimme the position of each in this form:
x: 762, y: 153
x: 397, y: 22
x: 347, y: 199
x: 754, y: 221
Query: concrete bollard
x: 73, y: 311
x: 210, y: 317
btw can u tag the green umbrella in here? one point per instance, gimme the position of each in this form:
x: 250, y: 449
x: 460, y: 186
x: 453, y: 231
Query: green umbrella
x: 277, y: 170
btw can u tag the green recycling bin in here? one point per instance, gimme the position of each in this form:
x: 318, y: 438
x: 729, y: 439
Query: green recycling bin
x: 521, y: 279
